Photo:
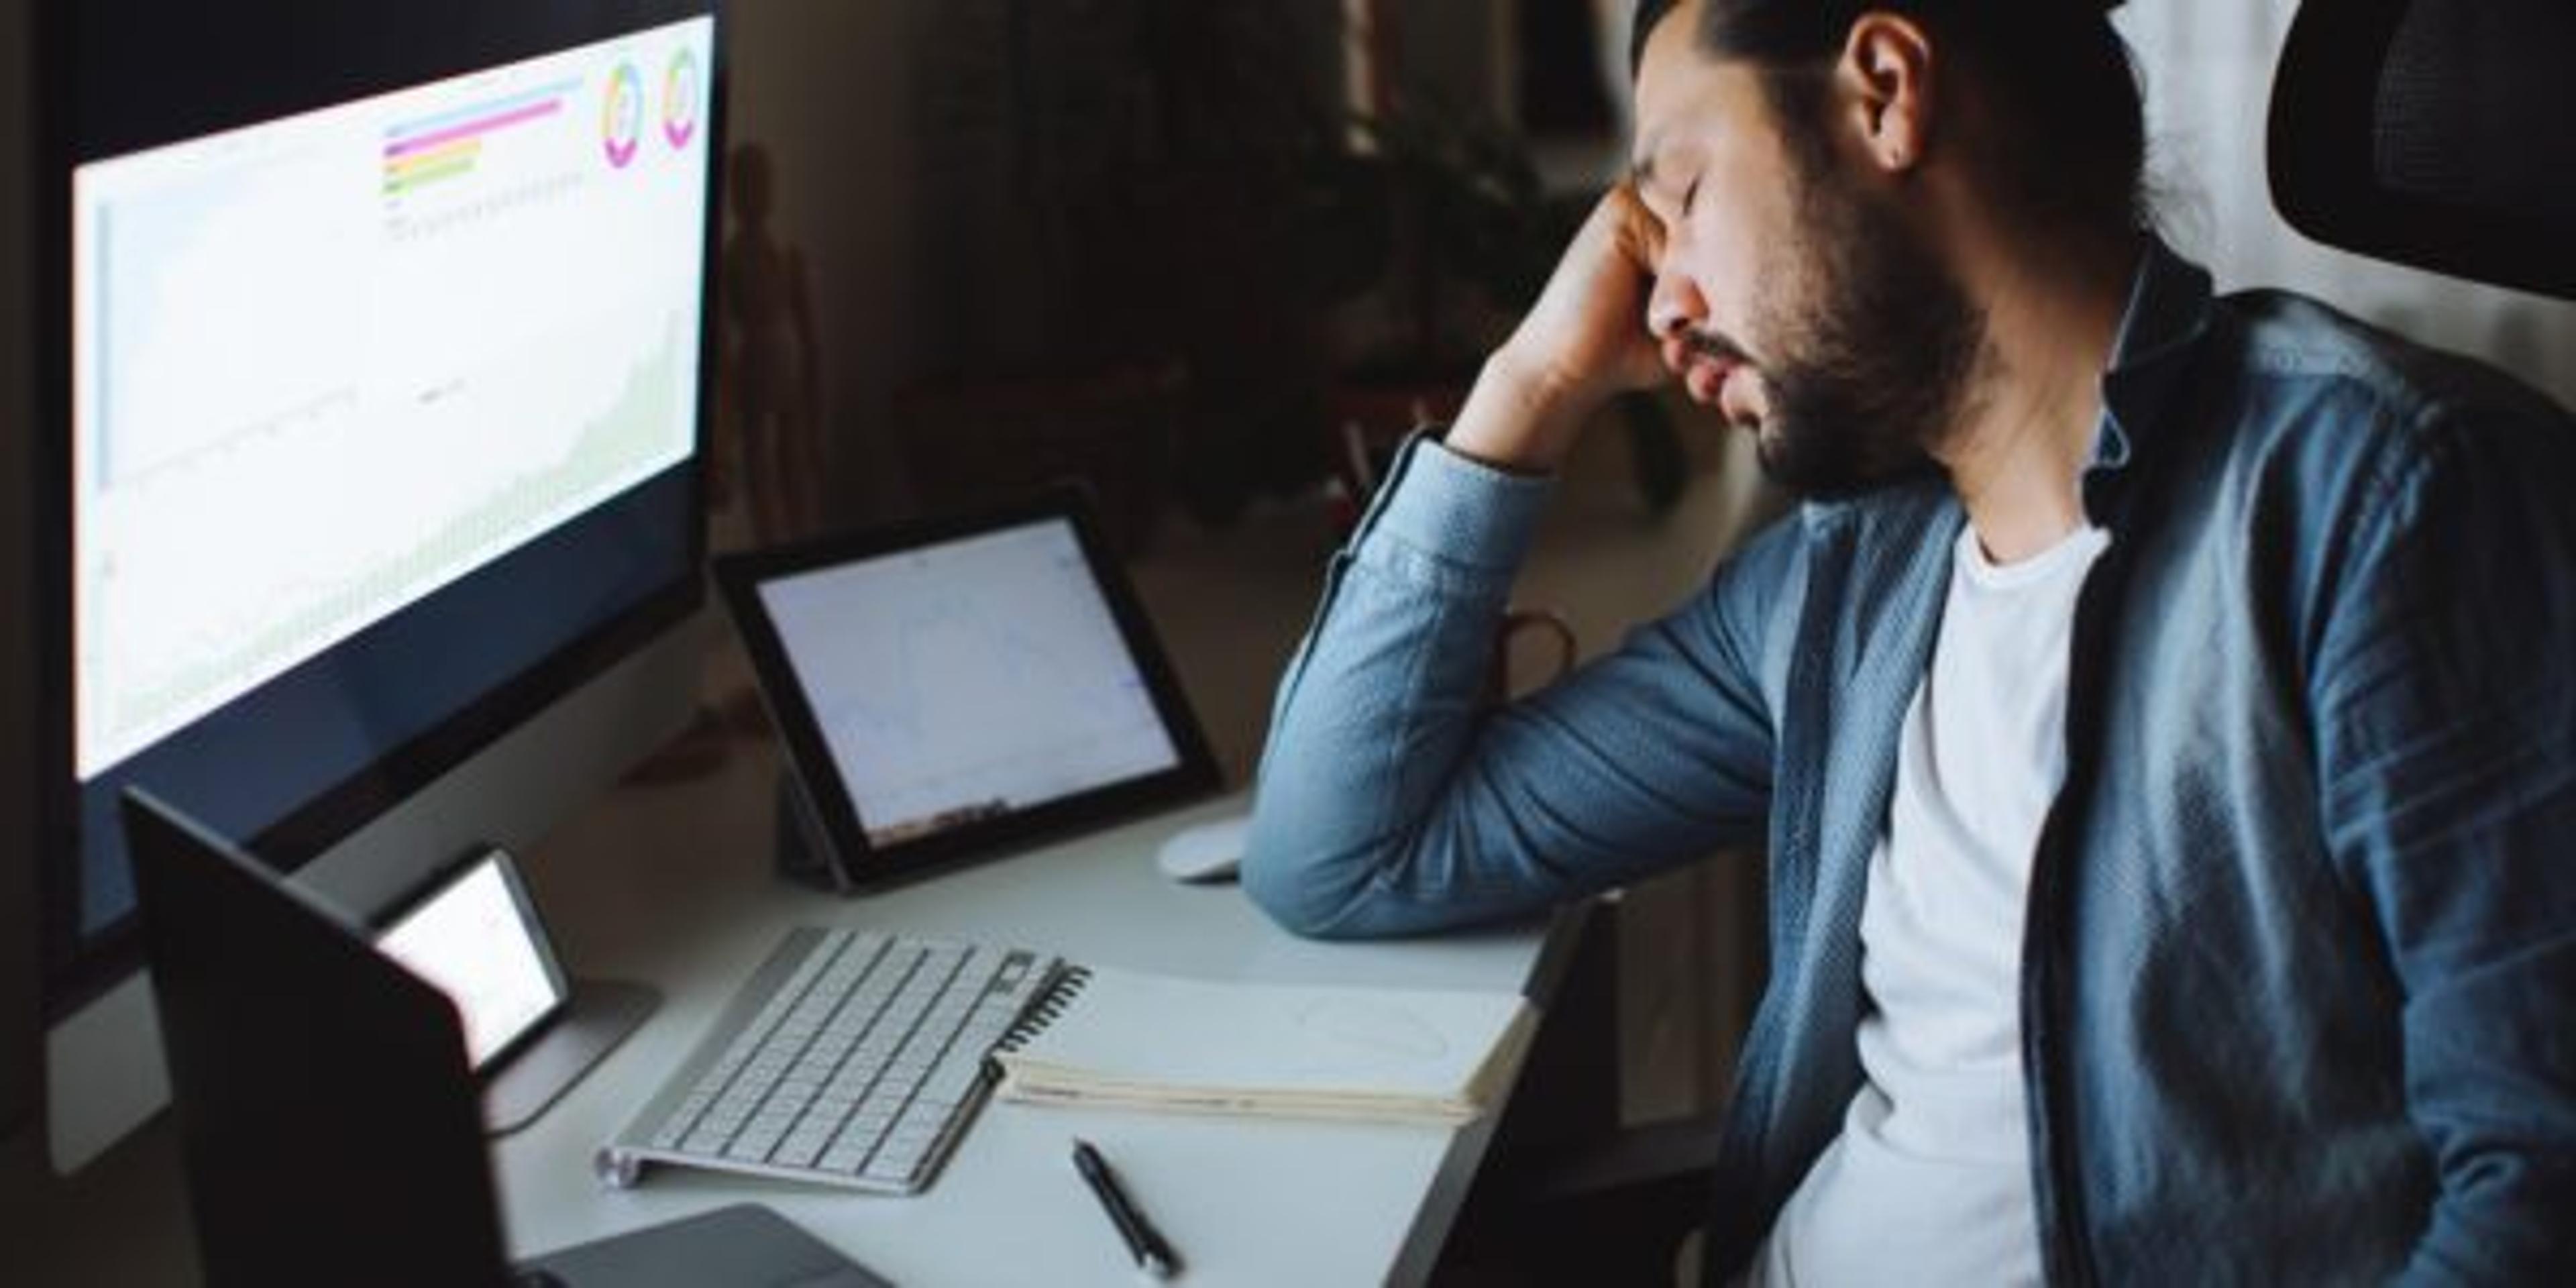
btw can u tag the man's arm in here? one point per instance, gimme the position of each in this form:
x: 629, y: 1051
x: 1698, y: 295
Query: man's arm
x: 2446, y: 689
x: 1390, y: 799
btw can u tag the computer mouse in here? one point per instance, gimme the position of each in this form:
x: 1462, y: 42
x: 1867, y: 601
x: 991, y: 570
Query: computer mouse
x: 1203, y: 852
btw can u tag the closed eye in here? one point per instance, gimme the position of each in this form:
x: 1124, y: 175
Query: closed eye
x: 1688, y: 195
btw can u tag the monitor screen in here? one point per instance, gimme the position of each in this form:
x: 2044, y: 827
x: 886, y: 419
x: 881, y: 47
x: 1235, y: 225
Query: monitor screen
x: 324, y: 366
x: 383, y: 357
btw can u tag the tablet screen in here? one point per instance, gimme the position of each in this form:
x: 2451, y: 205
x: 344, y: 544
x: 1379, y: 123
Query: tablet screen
x: 968, y: 680
x: 946, y: 686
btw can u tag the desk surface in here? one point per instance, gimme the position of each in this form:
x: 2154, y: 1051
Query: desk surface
x: 668, y: 893
x: 1245, y: 1201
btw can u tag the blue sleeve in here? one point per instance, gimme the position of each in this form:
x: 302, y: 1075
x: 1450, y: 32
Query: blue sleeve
x: 2446, y: 688
x: 1391, y: 799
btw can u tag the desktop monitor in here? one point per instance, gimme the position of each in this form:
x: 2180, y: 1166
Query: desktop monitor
x: 374, y: 341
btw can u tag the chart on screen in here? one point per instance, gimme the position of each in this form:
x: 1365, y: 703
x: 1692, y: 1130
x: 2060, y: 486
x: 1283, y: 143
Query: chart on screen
x: 423, y: 327
x: 968, y: 679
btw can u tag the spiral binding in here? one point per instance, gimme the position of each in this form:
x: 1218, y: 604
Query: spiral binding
x: 1043, y: 1009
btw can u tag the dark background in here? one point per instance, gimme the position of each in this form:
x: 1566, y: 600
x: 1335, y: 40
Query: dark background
x: 1111, y: 237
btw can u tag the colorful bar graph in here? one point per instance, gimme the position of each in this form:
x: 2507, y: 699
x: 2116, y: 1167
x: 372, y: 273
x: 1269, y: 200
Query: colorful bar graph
x: 447, y: 161
x: 445, y: 145
x: 500, y: 106
x: 473, y: 129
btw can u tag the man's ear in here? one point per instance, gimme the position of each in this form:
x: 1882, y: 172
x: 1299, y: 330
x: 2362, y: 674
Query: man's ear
x: 1885, y: 79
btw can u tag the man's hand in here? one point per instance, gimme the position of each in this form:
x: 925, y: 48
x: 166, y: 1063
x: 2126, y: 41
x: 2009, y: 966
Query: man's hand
x: 1584, y: 341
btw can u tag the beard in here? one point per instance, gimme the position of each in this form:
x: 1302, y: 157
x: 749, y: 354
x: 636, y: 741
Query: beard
x: 1874, y: 343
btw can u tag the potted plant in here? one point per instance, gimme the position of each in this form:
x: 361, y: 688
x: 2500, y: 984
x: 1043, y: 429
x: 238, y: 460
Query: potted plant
x: 1470, y: 232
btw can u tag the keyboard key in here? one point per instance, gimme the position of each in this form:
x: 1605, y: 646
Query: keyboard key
x: 952, y: 1083
x: 920, y: 1119
x: 752, y: 1147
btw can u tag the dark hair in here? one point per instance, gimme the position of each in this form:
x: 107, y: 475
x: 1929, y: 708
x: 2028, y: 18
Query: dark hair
x: 2066, y: 94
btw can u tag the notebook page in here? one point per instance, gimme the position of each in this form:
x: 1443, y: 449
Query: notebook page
x: 1159, y: 1030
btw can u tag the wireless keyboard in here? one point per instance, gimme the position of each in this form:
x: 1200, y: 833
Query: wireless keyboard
x: 851, y: 1058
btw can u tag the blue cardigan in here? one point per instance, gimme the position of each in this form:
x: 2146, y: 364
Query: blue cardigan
x: 2298, y: 990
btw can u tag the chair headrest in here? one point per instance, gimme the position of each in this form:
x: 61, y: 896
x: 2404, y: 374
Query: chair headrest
x: 2432, y: 133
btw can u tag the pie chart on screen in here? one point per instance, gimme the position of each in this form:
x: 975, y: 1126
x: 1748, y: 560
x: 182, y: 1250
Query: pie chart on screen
x: 621, y: 121
x: 680, y: 99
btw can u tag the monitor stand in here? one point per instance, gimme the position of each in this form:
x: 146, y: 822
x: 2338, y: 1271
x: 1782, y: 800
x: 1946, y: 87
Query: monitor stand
x: 596, y: 1017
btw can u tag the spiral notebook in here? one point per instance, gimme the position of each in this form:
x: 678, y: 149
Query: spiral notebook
x: 1149, y: 1041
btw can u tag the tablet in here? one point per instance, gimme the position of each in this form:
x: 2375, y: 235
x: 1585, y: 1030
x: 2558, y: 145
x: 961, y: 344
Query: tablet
x: 950, y: 688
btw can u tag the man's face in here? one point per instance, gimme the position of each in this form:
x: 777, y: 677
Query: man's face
x: 1790, y: 290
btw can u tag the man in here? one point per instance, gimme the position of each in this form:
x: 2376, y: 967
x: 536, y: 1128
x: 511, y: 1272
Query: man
x: 2161, y: 716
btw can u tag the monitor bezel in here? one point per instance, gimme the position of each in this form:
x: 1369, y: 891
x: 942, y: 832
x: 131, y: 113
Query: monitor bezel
x: 861, y: 864
x: 78, y: 968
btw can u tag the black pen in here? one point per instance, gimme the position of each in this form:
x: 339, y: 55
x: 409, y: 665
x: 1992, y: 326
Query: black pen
x: 1151, y: 1252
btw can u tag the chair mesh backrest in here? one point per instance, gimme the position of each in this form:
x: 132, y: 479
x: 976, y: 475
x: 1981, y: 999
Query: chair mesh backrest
x: 2433, y: 132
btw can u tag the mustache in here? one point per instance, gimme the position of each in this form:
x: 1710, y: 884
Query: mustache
x: 1714, y: 345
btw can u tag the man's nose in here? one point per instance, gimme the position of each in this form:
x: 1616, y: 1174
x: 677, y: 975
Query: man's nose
x: 1675, y: 306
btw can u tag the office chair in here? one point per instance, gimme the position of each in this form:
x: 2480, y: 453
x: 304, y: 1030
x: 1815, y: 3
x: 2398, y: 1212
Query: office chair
x: 2432, y: 133
x: 2421, y: 132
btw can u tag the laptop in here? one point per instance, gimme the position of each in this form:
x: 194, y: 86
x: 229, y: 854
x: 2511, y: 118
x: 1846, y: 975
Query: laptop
x: 330, y: 1126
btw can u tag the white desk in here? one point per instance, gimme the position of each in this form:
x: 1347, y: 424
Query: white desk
x: 669, y: 885
x: 1244, y: 1201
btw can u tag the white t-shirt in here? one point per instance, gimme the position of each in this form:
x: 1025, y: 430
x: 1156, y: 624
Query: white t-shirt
x: 1929, y: 1182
